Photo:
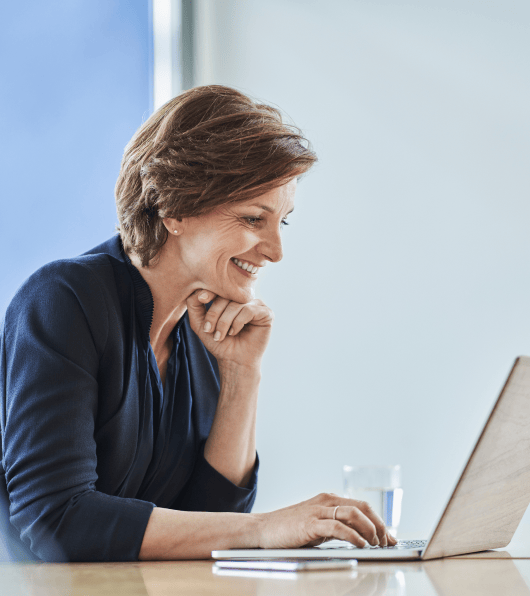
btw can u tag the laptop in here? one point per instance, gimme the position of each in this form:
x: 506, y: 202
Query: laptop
x: 486, y: 505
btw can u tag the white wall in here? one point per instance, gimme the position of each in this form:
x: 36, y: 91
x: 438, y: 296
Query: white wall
x: 404, y: 294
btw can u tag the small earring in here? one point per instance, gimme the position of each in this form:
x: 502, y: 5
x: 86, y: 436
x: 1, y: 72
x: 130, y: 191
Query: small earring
x: 175, y: 232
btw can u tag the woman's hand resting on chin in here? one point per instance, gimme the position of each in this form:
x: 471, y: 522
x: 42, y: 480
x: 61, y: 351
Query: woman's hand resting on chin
x: 234, y: 333
x: 311, y: 523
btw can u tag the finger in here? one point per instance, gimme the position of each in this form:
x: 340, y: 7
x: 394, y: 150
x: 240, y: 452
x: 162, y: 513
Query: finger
x: 391, y: 540
x: 205, y: 296
x: 365, y: 508
x: 376, y: 520
x: 330, y: 528
x: 196, y: 311
x: 256, y: 313
x: 226, y: 319
x: 243, y: 318
x: 353, y: 517
x: 213, y: 314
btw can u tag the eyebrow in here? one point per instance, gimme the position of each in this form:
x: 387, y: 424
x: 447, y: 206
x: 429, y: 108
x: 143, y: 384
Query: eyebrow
x: 268, y: 209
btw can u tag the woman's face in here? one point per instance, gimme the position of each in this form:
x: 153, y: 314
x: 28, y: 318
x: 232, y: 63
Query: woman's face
x: 224, y: 251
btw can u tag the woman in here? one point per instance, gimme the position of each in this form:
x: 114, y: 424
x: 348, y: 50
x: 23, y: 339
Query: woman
x: 130, y: 374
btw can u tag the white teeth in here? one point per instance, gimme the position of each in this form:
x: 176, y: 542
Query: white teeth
x: 246, y: 266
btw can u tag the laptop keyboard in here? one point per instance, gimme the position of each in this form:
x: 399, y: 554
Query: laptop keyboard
x: 401, y: 544
x: 406, y: 544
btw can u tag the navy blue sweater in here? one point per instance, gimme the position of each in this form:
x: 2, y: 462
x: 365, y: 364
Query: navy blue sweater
x: 91, y: 441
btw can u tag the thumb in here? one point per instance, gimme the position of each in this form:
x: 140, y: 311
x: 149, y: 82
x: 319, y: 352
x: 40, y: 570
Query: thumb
x: 196, y: 308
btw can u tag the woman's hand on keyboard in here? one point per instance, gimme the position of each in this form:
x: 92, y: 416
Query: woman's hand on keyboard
x: 311, y: 523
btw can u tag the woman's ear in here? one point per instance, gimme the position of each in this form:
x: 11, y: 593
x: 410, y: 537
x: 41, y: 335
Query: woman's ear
x: 173, y: 226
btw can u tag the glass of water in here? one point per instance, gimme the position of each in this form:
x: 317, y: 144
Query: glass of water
x: 380, y: 487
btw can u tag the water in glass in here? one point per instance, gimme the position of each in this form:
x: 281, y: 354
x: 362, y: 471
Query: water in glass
x: 386, y: 502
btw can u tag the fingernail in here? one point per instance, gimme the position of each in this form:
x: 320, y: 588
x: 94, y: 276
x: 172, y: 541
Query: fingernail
x: 217, y: 335
x: 231, y: 332
x: 375, y: 541
x: 207, y: 326
x: 384, y: 541
x: 203, y: 296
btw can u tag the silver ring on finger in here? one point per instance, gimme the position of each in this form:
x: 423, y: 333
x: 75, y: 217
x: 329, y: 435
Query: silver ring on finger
x: 335, y: 512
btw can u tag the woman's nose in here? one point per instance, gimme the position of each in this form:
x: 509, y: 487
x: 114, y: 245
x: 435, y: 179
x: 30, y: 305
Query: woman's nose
x: 271, y: 247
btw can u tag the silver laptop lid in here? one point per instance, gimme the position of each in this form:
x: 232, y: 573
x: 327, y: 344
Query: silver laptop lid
x: 493, y: 491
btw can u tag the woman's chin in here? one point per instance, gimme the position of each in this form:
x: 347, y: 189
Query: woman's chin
x: 239, y: 294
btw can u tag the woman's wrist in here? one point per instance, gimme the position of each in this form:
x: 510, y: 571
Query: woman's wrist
x: 239, y: 384
x: 233, y: 373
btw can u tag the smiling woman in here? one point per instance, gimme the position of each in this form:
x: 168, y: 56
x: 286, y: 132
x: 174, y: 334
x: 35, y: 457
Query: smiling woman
x: 208, y: 147
x: 224, y: 249
x: 129, y: 375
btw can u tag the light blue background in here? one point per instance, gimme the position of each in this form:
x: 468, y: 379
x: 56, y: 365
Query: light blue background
x: 75, y: 85
x: 403, y: 296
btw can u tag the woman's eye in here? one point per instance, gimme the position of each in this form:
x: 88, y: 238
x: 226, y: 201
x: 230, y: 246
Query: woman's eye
x: 253, y: 221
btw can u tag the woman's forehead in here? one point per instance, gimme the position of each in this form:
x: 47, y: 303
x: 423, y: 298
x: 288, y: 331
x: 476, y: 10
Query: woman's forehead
x: 278, y: 199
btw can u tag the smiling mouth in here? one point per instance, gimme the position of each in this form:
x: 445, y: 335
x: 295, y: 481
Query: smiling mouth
x: 245, y: 267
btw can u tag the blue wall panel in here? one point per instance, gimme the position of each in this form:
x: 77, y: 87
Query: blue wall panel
x: 74, y: 86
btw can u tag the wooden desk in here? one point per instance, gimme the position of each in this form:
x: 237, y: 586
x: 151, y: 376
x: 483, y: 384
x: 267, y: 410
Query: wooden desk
x: 458, y: 576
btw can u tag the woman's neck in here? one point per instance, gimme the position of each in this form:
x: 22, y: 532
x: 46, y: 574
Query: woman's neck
x: 169, y: 289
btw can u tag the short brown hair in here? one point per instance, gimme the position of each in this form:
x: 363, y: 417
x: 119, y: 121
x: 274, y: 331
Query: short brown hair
x: 209, y: 146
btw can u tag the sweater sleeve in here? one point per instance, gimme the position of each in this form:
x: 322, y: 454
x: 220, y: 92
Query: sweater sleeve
x: 208, y: 490
x: 53, y: 337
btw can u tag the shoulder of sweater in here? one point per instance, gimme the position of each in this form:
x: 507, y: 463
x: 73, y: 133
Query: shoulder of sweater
x: 86, y: 276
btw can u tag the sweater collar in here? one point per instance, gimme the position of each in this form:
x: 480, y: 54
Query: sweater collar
x: 144, y: 298
x: 142, y: 293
